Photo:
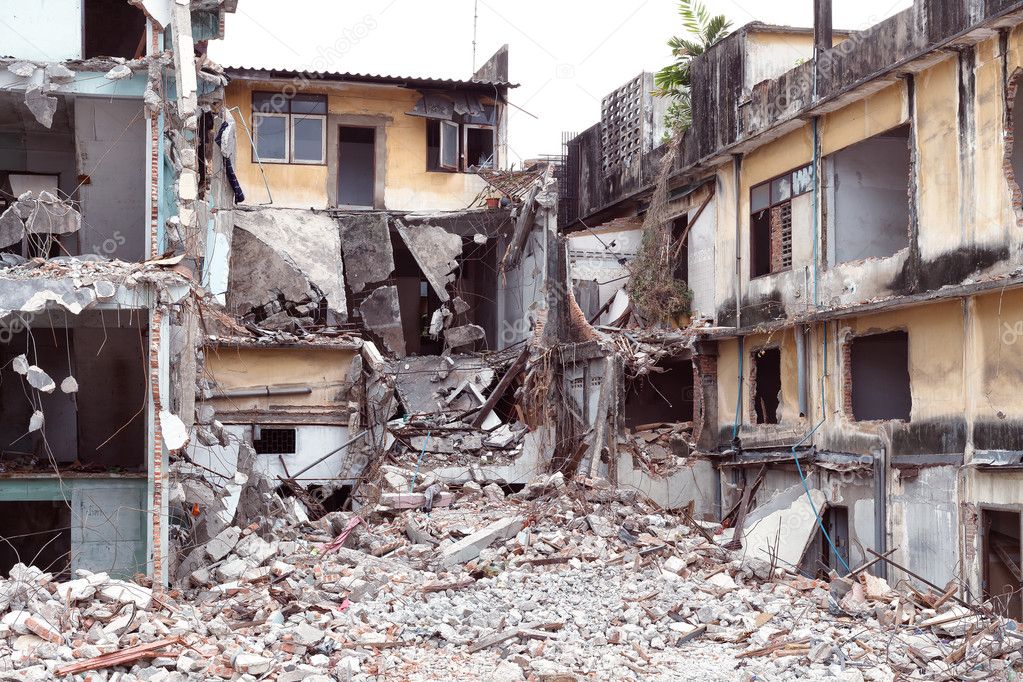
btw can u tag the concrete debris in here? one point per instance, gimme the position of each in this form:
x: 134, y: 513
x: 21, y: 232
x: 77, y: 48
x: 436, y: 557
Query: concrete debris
x: 119, y: 72
x: 436, y: 251
x: 36, y: 421
x: 467, y: 335
x: 40, y: 380
x: 366, y: 241
x: 20, y: 364
x: 500, y: 589
x: 69, y: 385
x: 381, y: 314
x: 175, y: 433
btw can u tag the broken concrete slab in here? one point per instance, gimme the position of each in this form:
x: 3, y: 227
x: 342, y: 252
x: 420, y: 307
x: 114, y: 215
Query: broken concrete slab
x: 52, y: 216
x: 468, y: 548
x: 423, y: 383
x: 436, y: 251
x: 413, y: 500
x: 381, y: 314
x: 457, y: 337
x: 259, y: 275
x: 308, y: 239
x: 783, y: 527
x: 12, y: 228
x: 366, y: 242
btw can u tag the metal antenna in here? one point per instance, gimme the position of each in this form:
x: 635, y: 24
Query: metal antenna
x: 475, y: 20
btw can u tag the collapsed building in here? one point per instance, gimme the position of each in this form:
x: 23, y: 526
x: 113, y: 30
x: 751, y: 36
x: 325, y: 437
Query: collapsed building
x: 844, y: 212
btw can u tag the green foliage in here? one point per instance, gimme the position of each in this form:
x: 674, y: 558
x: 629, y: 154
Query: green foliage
x: 674, y: 80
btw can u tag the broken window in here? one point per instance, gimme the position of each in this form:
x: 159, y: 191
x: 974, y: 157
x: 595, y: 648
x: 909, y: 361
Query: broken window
x: 1003, y: 577
x: 113, y: 28
x: 771, y: 220
x: 290, y: 129
x: 661, y: 397
x: 479, y: 147
x: 766, y: 384
x: 356, y: 175
x: 272, y: 441
x: 452, y: 146
x: 680, y: 247
x: 879, y: 372
x: 868, y: 197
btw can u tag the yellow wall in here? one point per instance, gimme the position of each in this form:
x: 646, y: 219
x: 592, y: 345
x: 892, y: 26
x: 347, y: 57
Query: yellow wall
x: 323, y: 370
x: 881, y: 111
x: 408, y: 185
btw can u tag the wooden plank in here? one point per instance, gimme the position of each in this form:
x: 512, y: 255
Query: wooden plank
x: 502, y: 386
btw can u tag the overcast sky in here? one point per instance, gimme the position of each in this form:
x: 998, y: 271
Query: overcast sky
x: 567, y: 54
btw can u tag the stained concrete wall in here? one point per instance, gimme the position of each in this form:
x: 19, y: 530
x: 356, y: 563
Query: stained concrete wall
x: 110, y: 135
x: 407, y: 183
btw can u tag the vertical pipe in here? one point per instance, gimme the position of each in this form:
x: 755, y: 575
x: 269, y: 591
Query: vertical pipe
x: 801, y: 369
x: 737, y: 173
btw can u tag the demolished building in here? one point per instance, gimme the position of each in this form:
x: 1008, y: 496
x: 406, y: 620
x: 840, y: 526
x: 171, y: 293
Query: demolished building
x: 105, y: 203
x: 847, y: 230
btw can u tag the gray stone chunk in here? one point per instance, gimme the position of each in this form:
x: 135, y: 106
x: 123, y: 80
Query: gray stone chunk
x: 465, y: 335
x: 366, y: 243
x: 382, y: 315
x: 468, y: 548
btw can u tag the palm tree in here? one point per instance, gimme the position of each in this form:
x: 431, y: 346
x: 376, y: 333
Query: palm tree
x: 702, y: 31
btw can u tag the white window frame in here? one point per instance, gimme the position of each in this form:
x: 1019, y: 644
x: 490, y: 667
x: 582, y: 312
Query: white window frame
x: 323, y: 139
x: 465, y: 143
x: 287, y: 136
x: 458, y: 154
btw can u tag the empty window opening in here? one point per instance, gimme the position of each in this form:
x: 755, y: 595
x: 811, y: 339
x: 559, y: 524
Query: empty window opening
x: 879, y: 372
x: 114, y: 28
x: 661, y: 397
x: 479, y: 147
x: 868, y: 197
x: 356, y: 174
x: 85, y: 430
x: 771, y: 220
x: 35, y: 534
x: 1003, y: 576
x: 766, y: 385
x: 274, y: 441
x: 680, y: 247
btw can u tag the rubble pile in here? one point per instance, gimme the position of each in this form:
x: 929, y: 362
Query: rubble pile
x: 660, y: 447
x: 557, y: 581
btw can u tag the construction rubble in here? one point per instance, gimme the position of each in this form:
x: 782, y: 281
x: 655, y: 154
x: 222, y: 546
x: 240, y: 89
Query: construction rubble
x: 562, y: 580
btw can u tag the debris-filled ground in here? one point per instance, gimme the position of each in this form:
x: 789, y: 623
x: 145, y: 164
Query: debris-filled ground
x: 559, y: 581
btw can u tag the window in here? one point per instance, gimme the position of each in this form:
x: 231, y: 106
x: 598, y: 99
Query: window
x: 454, y: 146
x: 879, y: 373
x: 274, y: 441
x: 771, y: 220
x: 766, y: 385
x: 290, y: 130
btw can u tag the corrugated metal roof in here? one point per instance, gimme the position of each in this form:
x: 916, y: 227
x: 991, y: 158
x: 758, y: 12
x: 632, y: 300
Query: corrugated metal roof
x: 243, y: 71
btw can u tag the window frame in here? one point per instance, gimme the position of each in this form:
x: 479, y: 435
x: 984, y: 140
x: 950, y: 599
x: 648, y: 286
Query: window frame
x: 466, y: 127
x: 257, y: 157
x: 323, y: 139
x: 461, y: 140
x: 771, y: 204
x: 441, y: 148
x: 289, y: 129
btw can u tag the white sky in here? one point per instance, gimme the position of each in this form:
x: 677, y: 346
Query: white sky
x: 567, y: 54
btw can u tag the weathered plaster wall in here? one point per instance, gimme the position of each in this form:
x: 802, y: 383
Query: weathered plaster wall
x: 323, y: 370
x: 407, y: 183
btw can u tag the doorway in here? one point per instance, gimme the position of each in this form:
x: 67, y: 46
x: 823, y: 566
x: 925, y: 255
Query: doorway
x: 356, y: 175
